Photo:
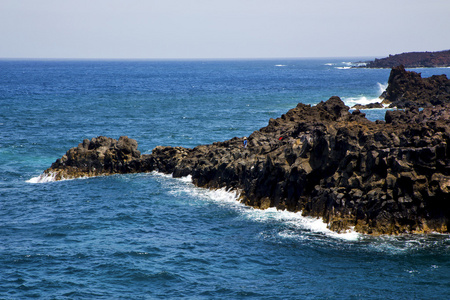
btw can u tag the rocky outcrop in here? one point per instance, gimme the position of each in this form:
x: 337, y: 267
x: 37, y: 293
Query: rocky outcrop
x: 384, y: 177
x: 409, y: 89
x: 376, y: 177
x: 368, y: 106
x: 413, y: 60
x: 99, y: 156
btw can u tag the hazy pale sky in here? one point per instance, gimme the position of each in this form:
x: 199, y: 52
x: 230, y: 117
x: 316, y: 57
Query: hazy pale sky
x: 221, y: 28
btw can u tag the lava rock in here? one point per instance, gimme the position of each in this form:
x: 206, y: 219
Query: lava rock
x: 408, y: 89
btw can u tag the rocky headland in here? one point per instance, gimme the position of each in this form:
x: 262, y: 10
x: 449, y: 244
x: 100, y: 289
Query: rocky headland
x: 413, y: 60
x: 408, y: 89
x: 384, y: 177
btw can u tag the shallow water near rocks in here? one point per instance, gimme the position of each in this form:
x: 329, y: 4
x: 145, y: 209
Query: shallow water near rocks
x: 150, y: 236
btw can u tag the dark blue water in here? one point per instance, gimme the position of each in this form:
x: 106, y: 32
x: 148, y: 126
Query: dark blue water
x: 149, y: 236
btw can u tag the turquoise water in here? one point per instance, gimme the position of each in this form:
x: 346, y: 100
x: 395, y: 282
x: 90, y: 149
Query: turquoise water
x: 149, y: 236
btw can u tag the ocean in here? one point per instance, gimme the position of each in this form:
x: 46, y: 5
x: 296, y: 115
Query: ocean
x: 150, y: 236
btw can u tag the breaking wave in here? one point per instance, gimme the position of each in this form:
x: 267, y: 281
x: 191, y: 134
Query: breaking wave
x: 51, y: 177
x: 295, y: 222
x: 345, y: 65
x: 364, y: 100
x: 43, y: 178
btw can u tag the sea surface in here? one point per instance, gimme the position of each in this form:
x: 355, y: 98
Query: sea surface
x: 150, y: 236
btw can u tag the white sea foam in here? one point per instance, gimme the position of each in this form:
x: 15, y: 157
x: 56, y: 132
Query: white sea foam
x: 51, y: 177
x: 329, y: 64
x: 230, y: 198
x: 280, y: 65
x: 364, y: 100
x: 186, y: 178
x: 298, y: 222
x: 349, y: 65
x: 43, y: 178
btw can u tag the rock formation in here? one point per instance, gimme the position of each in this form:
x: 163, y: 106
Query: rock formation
x: 368, y: 106
x: 378, y: 177
x: 99, y: 156
x: 413, y: 60
x: 384, y: 177
x: 408, y: 89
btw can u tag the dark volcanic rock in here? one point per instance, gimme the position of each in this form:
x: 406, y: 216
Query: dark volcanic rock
x: 408, y: 89
x: 99, y: 156
x: 413, y: 60
x: 368, y: 106
x: 378, y: 177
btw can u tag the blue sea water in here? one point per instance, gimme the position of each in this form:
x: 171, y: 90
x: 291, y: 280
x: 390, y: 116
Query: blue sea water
x: 150, y: 236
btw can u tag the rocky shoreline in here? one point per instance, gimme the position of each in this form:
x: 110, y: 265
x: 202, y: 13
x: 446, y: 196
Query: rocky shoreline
x: 384, y: 177
x: 439, y: 59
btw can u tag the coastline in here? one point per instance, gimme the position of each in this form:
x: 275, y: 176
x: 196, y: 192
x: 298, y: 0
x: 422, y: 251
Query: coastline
x: 438, y: 59
x: 383, y: 177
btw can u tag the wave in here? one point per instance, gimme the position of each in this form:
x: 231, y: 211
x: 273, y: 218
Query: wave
x: 230, y: 199
x: 43, y: 178
x: 364, y: 100
x: 295, y: 222
x: 51, y: 177
x: 350, y: 65
x: 280, y: 65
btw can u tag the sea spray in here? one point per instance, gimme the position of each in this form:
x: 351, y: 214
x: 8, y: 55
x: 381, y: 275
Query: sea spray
x: 365, y: 99
x: 43, y: 178
x: 382, y: 87
x: 51, y: 177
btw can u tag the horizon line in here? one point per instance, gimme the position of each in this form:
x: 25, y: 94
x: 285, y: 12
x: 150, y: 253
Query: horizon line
x: 179, y: 59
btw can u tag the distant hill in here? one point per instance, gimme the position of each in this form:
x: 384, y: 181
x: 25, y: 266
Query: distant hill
x: 413, y: 60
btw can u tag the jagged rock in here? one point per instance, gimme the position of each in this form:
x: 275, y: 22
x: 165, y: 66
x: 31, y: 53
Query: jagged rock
x: 99, y: 156
x: 408, y: 89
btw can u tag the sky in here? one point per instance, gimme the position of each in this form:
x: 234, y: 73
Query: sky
x: 227, y: 29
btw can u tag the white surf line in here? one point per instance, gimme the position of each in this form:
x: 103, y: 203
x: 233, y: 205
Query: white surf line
x: 294, y: 219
